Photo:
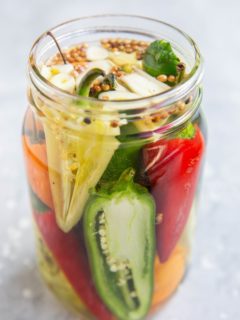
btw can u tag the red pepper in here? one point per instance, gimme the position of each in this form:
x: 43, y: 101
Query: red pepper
x: 173, y: 169
x: 70, y: 253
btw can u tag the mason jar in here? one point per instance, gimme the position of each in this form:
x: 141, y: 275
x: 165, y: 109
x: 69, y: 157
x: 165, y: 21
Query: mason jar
x: 113, y: 184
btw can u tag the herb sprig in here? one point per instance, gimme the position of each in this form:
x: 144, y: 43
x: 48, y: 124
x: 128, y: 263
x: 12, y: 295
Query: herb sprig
x: 160, y: 59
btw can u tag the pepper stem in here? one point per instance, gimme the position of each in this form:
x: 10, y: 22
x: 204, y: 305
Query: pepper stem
x: 49, y: 33
x: 181, y: 68
x: 127, y: 175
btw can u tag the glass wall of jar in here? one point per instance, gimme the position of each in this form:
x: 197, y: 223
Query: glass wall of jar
x: 113, y: 184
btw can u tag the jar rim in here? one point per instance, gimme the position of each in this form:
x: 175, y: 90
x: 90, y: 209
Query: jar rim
x: 181, y: 89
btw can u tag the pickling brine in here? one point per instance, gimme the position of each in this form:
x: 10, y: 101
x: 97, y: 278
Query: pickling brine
x: 114, y: 142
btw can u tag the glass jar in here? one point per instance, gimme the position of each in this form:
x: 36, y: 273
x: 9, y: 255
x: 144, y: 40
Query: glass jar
x: 113, y: 207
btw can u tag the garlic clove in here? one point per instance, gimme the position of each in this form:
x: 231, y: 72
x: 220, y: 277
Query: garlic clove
x: 162, y: 85
x: 118, y: 95
x: 96, y: 53
x: 49, y: 71
x: 122, y: 58
x: 141, y: 85
x: 105, y: 65
x: 64, y: 81
x: 62, y: 68
x: 46, y: 72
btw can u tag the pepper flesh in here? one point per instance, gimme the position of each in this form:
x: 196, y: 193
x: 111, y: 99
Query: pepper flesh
x: 75, y: 166
x: 86, y: 82
x: 173, y: 168
x: 70, y: 254
x: 36, y: 159
x: 74, y: 161
x: 119, y: 233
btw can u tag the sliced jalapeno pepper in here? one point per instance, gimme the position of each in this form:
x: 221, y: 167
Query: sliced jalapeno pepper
x: 119, y: 224
x: 87, y: 81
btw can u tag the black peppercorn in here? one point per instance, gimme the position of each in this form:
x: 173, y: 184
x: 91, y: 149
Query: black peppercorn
x: 87, y: 120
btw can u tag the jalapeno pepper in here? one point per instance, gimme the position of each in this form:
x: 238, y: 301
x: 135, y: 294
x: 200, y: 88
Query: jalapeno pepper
x: 173, y: 166
x: 86, y: 82
x: 119, y: 233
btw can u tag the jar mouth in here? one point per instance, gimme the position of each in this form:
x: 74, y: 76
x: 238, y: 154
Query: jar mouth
x: 164, y: 98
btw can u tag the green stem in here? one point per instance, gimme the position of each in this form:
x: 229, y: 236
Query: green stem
x: 181, y: 68
x: 127, y: 175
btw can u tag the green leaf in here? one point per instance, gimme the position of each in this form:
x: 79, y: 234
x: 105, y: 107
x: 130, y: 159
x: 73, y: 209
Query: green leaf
x: 160, y: 59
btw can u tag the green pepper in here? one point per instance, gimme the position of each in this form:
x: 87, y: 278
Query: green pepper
x: 119, y: 231
x: 87, y: 81
x: 85, y: 85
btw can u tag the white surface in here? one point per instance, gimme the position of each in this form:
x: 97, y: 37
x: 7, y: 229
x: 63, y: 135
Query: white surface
x: 212, y: 288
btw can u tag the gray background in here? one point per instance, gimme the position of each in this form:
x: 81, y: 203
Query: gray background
x: 212, y: 288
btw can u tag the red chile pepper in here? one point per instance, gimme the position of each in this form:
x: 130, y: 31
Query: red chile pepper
x: 173, y: 169
x: 70, y: 253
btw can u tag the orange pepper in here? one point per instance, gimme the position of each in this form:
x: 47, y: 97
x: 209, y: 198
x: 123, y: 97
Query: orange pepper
x: 168, y: 275
x: 36, y: 163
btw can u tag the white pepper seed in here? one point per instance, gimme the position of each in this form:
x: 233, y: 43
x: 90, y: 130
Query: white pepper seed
x: 113, y: 268
x: 102, y: 232
x: 133, y: 294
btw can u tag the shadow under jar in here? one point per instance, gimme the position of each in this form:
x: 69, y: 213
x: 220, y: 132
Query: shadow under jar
x: 114, y: 196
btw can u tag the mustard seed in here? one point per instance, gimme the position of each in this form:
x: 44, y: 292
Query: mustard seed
x: 171, y: 78
x: 129, y: 50
x: 105, y: 87
x: 181, y: 105
x: 97, y: 88
x: 162, y: 78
